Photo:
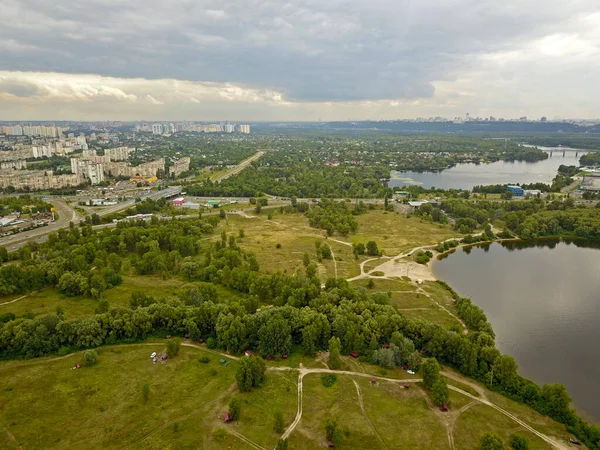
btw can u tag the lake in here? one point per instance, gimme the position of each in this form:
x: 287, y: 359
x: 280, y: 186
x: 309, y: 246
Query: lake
x: 465, y: 176
x: 542, y: 299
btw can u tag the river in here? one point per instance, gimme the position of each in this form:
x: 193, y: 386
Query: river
x: 542, y: 299
x: 465, y: 176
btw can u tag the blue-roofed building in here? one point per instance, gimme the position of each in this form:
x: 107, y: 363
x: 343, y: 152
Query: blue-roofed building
x: 517, y: 191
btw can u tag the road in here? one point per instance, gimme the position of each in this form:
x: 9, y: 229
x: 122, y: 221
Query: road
x: 237, y: 169
x: 65, y: 213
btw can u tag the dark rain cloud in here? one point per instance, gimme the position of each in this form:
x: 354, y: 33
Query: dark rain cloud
x: 327, y: 50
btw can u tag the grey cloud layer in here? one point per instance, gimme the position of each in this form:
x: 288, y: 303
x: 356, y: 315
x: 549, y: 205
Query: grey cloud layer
x: 327, y: 50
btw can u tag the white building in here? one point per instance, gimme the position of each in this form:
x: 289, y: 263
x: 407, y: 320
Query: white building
x: 157, y: 128
x: 229, y: 128
x: 119, y: 153
x: 244, y: 129
x: 89, y: 169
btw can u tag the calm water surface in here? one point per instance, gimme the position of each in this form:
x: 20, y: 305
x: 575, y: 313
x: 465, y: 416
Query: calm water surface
x: 543, y: 301
x: 465, y: 176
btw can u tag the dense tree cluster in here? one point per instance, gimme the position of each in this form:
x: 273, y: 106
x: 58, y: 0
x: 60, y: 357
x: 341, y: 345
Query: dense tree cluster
x: 590, y: 159
x: 332, y: 216
x: 66, y: 260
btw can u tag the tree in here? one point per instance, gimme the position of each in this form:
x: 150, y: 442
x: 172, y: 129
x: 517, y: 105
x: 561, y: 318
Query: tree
x: 258, y: 208
x: 242, y: 233
x: 518, y: 442
x: 250, y: 373
x: 234, y: 408
x: 490, y: 441
x: 334, y: 353
x: 282, y: 444
x: 222, y: 214
x: 556, y: 400
x: 372, y: 249
x: 89, y: 358
x: 275, y: 337
x: 279, y: 425
x: 173, y: 346
x: 439, y: 392
x: 360, y: 248
x: 385, y: 201
x: 431, y: 372
x: 333, y: 432
x: 306, y: 259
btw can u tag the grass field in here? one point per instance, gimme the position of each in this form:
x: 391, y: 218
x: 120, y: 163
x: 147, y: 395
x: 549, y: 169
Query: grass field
x: 395, y: 233
x: 45, y: 403
x: 479, y: 419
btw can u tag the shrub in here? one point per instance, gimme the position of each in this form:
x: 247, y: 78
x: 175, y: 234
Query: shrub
x: 518, y: 442
x: 145, y: 392
x: 204, y: 360
x: 490, y: 441
x: 328, y: 380
x: 173, y: 346
x: 89, y: 358
x: 278, y: 426
x: 219, y: 433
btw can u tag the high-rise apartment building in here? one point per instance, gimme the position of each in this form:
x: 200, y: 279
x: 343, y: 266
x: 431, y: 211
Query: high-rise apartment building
x: 157, y: 128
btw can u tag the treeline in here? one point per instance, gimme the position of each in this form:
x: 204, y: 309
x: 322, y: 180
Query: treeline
x: 360, y: 322
x: 530, y: 154
x: 590, y: 159
x: 563, y: 178
x: 25, y: 204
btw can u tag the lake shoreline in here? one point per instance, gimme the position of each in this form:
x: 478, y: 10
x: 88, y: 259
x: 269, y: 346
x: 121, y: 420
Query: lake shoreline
x: 517, y: 341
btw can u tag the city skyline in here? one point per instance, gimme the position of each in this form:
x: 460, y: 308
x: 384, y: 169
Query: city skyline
x: 299, y: 61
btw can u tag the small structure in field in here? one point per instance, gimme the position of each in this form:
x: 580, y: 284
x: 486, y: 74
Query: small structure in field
x: 443, y: 408
x: 354, y: 354
x: 247, y: 353
x: 406, y: 385
x: 164, y: 357
x: 385, y: 345
x: 330, y: 444
x: 373, y: 380
x: 187, y: 336
x: 269, y: 358
x: 404, y: 366
x: 227, y: 417
x: 285, y: 356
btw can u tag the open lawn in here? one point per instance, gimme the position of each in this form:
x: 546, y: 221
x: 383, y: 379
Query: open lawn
x: 295, y: 237
x: 479, y: 419
x: 395, y: 233
x: 53, y: 406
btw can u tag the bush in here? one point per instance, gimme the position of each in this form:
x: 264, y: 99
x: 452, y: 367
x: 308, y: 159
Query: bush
x: 145, y: 392
x: 490, y: 441
x: 278, y: 426
x: 518, y: 442
x: 282, y: 444
x: 204, y: 360
x: 89, y: 358
x: 333, y: 432
x: 211, y: 343
x: 173, y: 347
x: 219, y: 433
x: 328, y: 380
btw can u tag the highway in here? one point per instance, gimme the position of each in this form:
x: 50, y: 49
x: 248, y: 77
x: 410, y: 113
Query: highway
x: 237, y: 169
x: 65, y: 213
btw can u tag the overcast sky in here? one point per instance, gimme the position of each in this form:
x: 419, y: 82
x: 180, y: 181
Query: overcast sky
x: 298, y: 60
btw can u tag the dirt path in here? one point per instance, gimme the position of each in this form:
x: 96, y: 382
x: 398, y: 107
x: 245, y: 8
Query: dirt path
x: 296, y: 421
x: 334, y: 260
x: 362, y: 408
x: 20, y: 298
x: 420, y: 290
x: 302, y: 372
x: 476, y: 387
x: 243, y: 438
